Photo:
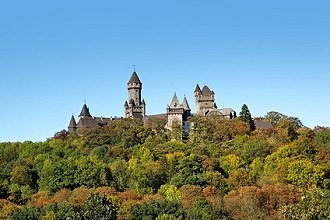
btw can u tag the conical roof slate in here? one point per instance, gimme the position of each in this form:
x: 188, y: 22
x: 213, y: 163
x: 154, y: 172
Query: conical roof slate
x: 85, y: 111
x: 175, y: 102
x: 72, y: 123
x: 206, y: 91
x: 185, y: 104
x: 134, y: 78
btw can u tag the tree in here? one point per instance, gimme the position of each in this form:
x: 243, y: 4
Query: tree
x: 314, y: 205
x: 304, y: 173
x: 156, y: 210
x: 26, y: 212
x: 97, y: 207
x: 200, y: 210
x: 274, y: 117
x: 245, y: 116
x: 190, y: 172
x: 170, y: 193
x: 20, y: 175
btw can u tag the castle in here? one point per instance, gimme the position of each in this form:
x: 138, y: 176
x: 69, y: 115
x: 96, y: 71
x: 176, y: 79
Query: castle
x: 135, y: 106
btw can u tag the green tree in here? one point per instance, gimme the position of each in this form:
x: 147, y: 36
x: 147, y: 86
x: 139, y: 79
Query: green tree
x: 97, y: 207
x: 200, y: 210
x: 154, y: 209
x: 314, y: 205
x: 26, y: 213
x: 245, y: 116
x: 323, y: 137
x: 170, y: 193
x: 304, y: 173
x: 119, y: 174
x: 20, y: 175
x: 145, y: 174
x: 274, y: 117
x: 190, y: 172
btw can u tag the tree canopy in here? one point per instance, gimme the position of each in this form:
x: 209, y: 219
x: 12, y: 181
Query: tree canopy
x: 128, y: 170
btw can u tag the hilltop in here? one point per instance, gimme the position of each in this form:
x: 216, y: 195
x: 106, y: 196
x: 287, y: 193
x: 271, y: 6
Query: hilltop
x: 224, y: 169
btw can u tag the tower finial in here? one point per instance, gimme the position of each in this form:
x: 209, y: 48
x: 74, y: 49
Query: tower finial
x: 85, y: 101
x: 134, y: 67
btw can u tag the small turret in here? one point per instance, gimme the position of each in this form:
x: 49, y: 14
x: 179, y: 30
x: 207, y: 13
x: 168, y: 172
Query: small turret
x: 72, y: 125
x: 175, y: 102
x: 185, y: 104
x: 198, y: 89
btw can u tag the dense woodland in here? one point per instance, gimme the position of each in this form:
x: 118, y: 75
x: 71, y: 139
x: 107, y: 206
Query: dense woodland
x: 221, y: 169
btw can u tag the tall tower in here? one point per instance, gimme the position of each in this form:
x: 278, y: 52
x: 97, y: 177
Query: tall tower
x: 204, y: 100
x: 135, y: 106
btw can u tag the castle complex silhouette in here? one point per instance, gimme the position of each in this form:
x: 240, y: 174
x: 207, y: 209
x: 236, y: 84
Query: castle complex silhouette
x: 135, y: 106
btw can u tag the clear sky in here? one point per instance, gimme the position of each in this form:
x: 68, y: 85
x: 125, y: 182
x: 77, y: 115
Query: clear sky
x: 270, y: 55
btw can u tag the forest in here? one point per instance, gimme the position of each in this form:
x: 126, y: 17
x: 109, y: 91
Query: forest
x: 219, y: 169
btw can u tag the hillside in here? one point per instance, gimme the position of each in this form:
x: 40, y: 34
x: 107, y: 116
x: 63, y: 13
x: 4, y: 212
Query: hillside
x: 127, y: 170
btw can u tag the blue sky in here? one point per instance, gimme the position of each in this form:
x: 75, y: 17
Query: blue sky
x: 270, y: 55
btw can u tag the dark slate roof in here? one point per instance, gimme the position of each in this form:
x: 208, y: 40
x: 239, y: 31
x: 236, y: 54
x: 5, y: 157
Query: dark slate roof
x: 72, y: 123
x: 185, y: 104
x: 138, y: 115
x: 134, y: 78
x: 206, y: 91
x: 227, y: 111
x: 126, y: 103
x: 85, y: 112
x: 198, y: 89
x: 86, y: 122
x: 147, y: 118
x: 263, y: 124
x: 175, y: 102
x: 143, y: 102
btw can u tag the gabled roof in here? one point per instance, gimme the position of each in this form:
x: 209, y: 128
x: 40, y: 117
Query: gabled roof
x: 72, y: 123
x: 227, y: 111
x: 206, y: 91
x: 134, y: 79
x: 185, y: 104
x: 85, y: 111
x: 198, y: 89
x: 86, y: 123
x: 263, y: 124
x: 175, y: 102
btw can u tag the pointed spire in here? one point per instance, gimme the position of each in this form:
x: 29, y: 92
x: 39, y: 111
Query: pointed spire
x: 175, y: 102
x: 206, y: 91
x: 185, y: 103
x: 143, y: 102
x: 126, y: 104
x: 134, y: 79
x: 85, y: 111
x: 198, y: 89
x: 72, y: 123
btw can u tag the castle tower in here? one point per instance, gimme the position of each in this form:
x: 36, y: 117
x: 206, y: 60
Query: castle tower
x: 135, y: 106
x: 204, y: 100
x: 177, y: 113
